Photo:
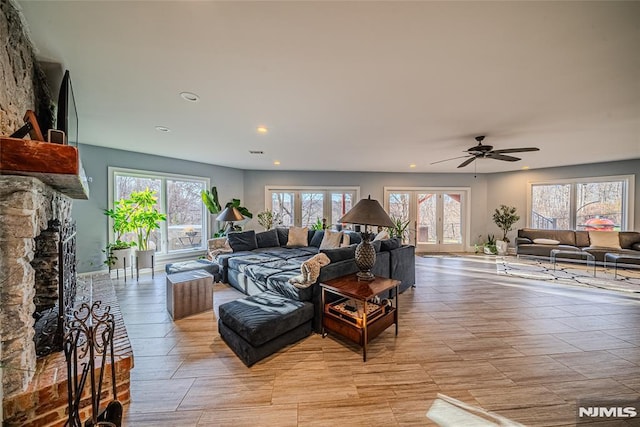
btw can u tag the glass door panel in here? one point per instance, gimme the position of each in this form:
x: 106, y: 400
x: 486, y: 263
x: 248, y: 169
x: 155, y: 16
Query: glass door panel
x: 452, y: 218
x: 437, y: 217
x: 427, y: 229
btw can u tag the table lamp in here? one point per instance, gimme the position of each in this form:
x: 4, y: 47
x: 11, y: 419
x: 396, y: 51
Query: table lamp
x: 229, y: 215
x: 366, y: 212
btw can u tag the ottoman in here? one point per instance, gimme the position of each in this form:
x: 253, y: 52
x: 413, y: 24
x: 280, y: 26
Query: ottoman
x: 260, y: 325
x: 189, y: 293
x: 197, y: 264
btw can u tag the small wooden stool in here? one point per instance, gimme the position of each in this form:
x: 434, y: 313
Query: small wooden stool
x: 188, y: 293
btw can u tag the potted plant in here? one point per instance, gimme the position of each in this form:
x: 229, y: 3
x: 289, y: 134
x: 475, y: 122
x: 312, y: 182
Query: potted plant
x: 488, y: 247
x: 139, y: 215
x: 504, y: 217
x: 118, y: 253
x: 400, y: 229
x: 268, y: 219
x: 210, y: 200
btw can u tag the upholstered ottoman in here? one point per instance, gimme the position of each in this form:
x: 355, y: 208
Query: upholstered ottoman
x: 260, y: 325
x: 196, y: 264
x: 188, y: 293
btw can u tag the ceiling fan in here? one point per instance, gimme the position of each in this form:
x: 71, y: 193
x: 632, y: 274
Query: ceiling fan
x: 481, y: 151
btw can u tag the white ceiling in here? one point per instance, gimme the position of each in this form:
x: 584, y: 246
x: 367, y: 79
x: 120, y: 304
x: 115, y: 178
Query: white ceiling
x: 351, y: 85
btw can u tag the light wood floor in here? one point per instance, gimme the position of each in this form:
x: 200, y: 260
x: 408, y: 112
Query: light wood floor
x: 523, y: 349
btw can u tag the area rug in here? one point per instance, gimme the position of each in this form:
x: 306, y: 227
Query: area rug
x: 627, y: 279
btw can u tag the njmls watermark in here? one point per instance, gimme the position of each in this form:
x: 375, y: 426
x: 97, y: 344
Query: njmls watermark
x: 588, y: 411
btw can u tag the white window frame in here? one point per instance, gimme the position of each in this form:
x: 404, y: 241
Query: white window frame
x: 628, y: 198
x: 164, y: 253
x: 297, y: 201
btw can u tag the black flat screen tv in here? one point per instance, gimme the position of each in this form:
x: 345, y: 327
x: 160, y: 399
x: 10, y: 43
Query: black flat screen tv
x: 67, y: 117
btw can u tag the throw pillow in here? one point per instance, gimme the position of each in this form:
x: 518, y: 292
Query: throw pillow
x: 243, y: 240
x: 331, y: 239
x: 390, y: 244
x: 316, y: 240
x: 546, y: 242
x: 298, y: 236
x: 268, y: 239
x: 605, y: 239
x: 346, y: 240
x: 384, y: 234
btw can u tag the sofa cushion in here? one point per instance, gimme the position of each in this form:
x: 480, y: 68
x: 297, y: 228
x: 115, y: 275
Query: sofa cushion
x: 317, y: 238
x: 240, y: 262
x: 383, y: 235
x: 604, y: 239
x: 243, y: 240
x: 565, y: 237
x: 340, y: 254
x: 636, y: 246
x: 629, y: 238
x: 354, y: 236
x: 265, y: 316
x: 298, y: 236
x: 390, y: 244
x: 268, y: 239
x: 331, y: 239
x: 279, y: 283
x: 541, y: 241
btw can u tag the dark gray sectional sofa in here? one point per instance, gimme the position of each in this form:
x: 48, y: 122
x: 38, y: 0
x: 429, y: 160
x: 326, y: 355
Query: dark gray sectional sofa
x: 573, y: 241
x: 269, y: 267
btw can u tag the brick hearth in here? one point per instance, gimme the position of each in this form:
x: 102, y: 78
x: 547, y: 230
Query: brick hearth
x: 44, y: 402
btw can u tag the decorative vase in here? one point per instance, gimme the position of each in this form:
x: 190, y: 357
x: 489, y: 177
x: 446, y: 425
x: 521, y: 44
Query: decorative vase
x: 502, y: 247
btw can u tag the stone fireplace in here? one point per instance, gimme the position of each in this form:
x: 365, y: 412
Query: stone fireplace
x: 29, y: 270
x: 35, y: 226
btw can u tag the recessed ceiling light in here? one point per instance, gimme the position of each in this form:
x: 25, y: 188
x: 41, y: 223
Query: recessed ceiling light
x: 276, y: 162
x: 412, y: 165
x: 262, y: 130
x: 189, y: 96
x: 163, y: 129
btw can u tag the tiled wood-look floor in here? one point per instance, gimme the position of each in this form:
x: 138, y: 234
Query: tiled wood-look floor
x: 526, y: 350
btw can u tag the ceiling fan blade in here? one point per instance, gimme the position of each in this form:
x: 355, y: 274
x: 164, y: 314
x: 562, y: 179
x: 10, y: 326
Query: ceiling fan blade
x: 453, y: 158
x: 516, y: 150
x: 497, y: 156
x: 466, y: 162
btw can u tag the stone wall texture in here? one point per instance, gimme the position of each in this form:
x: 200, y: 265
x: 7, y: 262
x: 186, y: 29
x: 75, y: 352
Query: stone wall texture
x: 24, y: 85
x: 26, y: 207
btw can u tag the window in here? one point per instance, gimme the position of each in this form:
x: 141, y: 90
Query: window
x: 305, y: 206
x: 178, y: 197
x: 602, y: 203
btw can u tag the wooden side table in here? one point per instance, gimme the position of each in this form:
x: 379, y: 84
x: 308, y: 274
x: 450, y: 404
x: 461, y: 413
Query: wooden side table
x: 369, y: 319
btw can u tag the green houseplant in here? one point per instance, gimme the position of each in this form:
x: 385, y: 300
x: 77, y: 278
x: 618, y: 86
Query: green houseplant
x: 136, y: 214
x: 400, y: 229
x: 211, y: 201
x: 268, y: 219
x: 504, y: 217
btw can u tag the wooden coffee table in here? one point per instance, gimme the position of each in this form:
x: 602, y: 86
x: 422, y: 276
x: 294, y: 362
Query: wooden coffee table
x: 368, y: 319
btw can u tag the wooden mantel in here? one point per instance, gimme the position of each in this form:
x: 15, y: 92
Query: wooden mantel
x: 56, y: 165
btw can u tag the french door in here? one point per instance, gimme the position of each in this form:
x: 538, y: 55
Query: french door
x: 438, y: 219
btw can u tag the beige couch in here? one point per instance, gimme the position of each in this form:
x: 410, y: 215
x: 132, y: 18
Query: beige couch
x: 536, y: 242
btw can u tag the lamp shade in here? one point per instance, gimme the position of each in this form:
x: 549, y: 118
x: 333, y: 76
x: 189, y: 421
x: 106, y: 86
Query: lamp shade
x: 230, y: 214
x: 367, y: 212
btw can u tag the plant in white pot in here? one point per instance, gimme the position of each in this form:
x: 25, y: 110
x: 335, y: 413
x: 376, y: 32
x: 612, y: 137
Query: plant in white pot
x: 118, y: 253
x: 504, y: 217
x: 138, y: 214
x: 144, y: 218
